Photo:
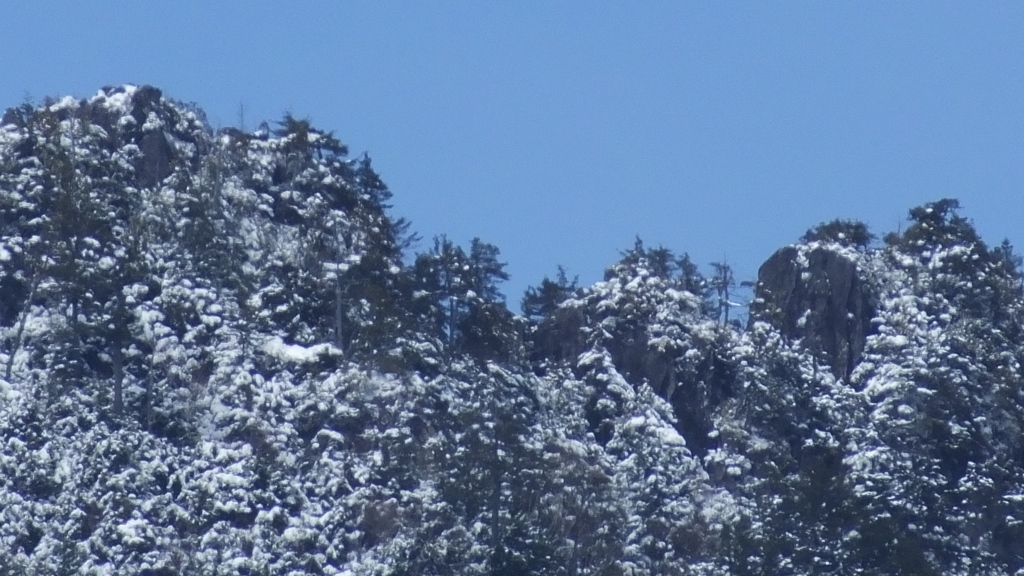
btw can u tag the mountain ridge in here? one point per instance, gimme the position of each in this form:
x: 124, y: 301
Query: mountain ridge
x: 217, y: 358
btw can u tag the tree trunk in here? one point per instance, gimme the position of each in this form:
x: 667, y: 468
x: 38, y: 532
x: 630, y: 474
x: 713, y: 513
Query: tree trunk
x: 117, y: 353
x: 21, y: 327
x: 497, y: 479
x: 118, y: 364
x: 338, y: 312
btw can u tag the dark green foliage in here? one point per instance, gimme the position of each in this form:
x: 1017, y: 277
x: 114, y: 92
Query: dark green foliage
x: 542, y: 301
x: 690, y: 278
x: 843, y: 232
x: 301, y: 138
x: 456, y: 295
x: 552, y: 332
x: 215, y: 360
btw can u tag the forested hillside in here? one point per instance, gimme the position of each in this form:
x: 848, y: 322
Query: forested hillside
x: 220, y: 355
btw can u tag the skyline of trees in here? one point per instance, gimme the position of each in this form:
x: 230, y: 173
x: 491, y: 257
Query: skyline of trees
x: 220, y: 358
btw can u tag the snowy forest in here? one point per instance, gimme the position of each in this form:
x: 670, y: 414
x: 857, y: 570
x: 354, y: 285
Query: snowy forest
x: 220, y: 355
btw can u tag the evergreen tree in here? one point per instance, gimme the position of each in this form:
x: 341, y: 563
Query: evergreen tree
x: 459, y: 293
x: 541, y: 302
x: 843, y: 232
x: 214, y: 361
x: 723, y: 282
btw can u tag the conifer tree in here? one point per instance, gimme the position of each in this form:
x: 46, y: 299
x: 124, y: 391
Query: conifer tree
x: 541, y: 302
x: 723, y: 282
x: 843, y: 232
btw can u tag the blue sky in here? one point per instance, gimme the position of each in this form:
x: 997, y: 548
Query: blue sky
x: 561, y: 130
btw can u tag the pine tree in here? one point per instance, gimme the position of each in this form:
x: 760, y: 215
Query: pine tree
x: 541, y: 302
x: 723, y: 282
x: 843, y: 232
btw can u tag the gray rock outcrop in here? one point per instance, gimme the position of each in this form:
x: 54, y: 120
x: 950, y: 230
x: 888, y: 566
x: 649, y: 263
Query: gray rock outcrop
x: 155, y: 163
x: 815, y: 294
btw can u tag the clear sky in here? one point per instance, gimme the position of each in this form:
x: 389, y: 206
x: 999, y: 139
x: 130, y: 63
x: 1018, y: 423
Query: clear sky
x: 561, y: 130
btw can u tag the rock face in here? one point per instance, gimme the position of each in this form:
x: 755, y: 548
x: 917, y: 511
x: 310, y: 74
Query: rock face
x: 816, y: 295
x: 155, y: 163
x: 157, y: 154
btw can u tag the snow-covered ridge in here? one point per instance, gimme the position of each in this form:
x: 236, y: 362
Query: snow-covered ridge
x: 214, y: 354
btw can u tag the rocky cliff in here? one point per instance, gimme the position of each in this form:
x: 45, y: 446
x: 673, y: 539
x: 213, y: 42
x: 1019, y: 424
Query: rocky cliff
x: 815, y: 293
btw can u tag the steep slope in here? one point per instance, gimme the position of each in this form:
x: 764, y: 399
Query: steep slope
x: 216, y: 359
x: 817, y: 294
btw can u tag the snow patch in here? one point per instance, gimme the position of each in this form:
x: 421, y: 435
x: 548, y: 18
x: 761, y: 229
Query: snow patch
x: 294, y: 353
